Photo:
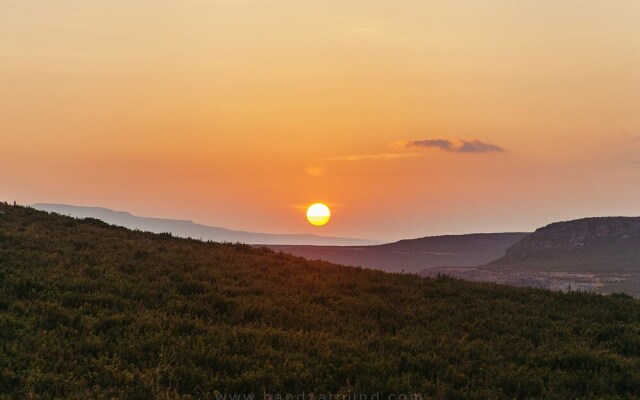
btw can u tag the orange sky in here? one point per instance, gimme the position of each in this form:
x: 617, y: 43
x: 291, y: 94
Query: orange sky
x: 238, y: 113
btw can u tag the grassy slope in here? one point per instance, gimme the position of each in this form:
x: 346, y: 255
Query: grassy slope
x: 92, y: 311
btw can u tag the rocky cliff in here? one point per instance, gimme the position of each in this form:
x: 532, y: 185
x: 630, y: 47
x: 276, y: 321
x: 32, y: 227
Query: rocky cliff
x: 606, y: 242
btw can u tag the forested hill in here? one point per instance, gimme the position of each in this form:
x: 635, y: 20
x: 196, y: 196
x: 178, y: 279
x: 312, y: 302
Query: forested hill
x: 93, y: 311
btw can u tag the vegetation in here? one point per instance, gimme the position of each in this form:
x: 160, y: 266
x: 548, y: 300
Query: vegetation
x: 596, y: 245
x: 93, y: 311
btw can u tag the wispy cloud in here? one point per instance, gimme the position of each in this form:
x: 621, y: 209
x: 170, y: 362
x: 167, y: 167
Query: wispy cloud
x: 459, y: 146
x: 380, y: 156
x: 400, y: 147
x: 476, y: 146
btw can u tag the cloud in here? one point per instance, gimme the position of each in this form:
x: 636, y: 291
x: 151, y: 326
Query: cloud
x: 476, y: 146
x: 460, y: 146
x: 450, y: 146
x: 381, y: 156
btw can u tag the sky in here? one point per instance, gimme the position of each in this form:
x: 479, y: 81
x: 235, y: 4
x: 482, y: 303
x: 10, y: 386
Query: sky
x: 407, y: 117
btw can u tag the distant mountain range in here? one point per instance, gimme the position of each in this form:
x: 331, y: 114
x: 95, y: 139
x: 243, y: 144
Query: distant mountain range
x: 595, y: 254
x: 189, y: 229
x: 414, y: 255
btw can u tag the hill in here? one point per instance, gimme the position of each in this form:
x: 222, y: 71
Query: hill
x: 595, y: 254
x: 610, y: 244
x: 89, y: 310
x: 414, y: 255
x: 189, y: 229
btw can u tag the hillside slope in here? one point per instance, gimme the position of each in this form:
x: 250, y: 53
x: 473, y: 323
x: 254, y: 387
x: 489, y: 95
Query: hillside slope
x: 589, y: 245
x: 600, y: 255
x: 89, y: 310
x: 189, y: 229
x: 414, y: 255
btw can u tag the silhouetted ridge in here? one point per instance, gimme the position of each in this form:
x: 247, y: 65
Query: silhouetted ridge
x: 414, y: 255
x: 189, y: 229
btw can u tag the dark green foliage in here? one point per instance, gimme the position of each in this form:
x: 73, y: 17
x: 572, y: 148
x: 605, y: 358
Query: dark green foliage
x: 92, y: 311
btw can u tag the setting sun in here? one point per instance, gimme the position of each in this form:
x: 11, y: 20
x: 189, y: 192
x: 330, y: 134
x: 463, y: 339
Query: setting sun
x: 318, y: 214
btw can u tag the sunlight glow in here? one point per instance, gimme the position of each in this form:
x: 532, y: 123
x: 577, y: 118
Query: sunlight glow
x: 318, y: 214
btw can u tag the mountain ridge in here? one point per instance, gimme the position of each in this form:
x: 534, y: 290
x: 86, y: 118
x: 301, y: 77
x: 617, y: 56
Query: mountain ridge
x: 190, y: 229
x: 414, y: 255
x: 597, y: 254
x: 595, y: 242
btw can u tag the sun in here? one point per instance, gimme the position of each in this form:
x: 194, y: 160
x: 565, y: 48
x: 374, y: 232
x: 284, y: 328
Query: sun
x: 318, y: 214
